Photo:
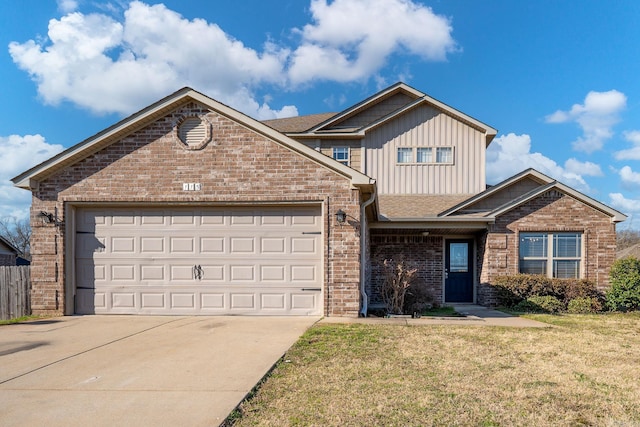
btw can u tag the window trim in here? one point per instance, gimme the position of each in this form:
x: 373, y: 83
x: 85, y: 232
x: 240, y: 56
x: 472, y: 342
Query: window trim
x: 434, y: 155
x: 550, y: 258
x: 347, y: 151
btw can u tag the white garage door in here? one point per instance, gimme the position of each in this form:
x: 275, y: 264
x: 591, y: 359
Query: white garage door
x: 208, y: 260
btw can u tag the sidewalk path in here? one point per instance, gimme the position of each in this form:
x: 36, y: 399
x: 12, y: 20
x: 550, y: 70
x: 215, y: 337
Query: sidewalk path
x: 475, y: 315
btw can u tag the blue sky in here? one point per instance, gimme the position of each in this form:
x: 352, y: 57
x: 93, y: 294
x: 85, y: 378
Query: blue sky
x: 558, y: 79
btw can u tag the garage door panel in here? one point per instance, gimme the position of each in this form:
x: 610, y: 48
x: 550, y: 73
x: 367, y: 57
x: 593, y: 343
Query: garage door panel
x: 152, y: 272
x: 304, y: 245
x: 152, y: 245
x: 304, y: 273
x: 213, y: 260
x: 242, y: 245
x: 182, y: 245
x: 212, y: 301
x: 243, y: 301
x: 242, y: 273
x: 242, y: 218
x: 273, y: 301
x: 212, y: 245
x: 272, y: 273
x: 183, y: 300
x: 123, y: 272
x: 153, y: 301
x: 123, y: 245
x: 125, y: 300
x: 303, y: 301
x: 272, y: 245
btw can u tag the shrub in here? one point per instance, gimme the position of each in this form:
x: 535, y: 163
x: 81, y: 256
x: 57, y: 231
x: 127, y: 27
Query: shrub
x: 571, y: 289
x: 540, y: 304
x: 397, y: 278
x: 419, y: 298
x: 584, y: 305
x: 624, y: 293
x: 510, y: 290
x: 548, y: 303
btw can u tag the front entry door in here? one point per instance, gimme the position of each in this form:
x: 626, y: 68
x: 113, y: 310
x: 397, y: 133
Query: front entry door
x: 458, y: 282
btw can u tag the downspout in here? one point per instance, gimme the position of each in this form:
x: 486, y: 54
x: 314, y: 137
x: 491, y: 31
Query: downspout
x: 363, y: 242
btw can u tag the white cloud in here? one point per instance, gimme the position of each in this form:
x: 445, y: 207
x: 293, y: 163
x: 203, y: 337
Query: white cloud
x: 595, y: 117
x: 109, y: 65
x: 632, y: 153
x: 66, y: 6
x: 583, y: 168
x: 351, y: 39
x: 511, y: 154
x: 630, y: 179
x: 17, y: 154
x: 627, y: 206
x: 154, y: 51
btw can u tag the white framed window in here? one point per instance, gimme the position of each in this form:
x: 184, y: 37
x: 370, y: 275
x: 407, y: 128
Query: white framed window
x: 444, y: 155
x: 424, y: 155
x: 556, y: 255
x: 405, y: 155
x: 341, y: 154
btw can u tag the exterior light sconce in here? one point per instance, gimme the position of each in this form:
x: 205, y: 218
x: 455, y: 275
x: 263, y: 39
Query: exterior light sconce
x: 47, y: 218
x: 341, y: 216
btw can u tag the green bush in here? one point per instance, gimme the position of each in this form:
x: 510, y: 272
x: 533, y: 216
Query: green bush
x: 584, y: 305
x: 624, y: 293
x: 548, y: 303
x: 540, y: 304
x: 571, y: 289
x: 511, y: 290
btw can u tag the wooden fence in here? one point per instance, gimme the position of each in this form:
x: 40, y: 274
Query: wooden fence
x: 15, y: 286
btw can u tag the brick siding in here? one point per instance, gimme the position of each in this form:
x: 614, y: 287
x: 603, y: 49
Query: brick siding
x: 422, y: 252
x: 237, y: 165
x: 553, y: 211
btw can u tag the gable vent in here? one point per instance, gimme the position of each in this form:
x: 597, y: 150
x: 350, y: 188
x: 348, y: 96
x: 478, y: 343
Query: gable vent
x: 192, y: 131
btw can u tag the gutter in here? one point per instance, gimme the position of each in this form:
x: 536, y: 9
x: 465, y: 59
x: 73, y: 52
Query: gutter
x: 363, y: 242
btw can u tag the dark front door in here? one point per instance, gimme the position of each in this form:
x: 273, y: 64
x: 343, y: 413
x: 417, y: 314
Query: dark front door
x: 458, y: 273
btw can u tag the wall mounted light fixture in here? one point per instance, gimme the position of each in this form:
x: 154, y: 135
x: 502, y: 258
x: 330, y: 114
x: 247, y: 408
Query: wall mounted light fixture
x: 47, y: 217
x: 341, y: 216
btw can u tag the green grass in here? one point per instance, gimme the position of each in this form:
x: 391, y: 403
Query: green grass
x: 20, y: 319
x: 582, y: 371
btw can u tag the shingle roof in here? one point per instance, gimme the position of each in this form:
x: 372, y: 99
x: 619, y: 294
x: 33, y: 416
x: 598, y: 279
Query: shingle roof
x: 632, y: 251
x: 298, y: 123
x: 417, y: 205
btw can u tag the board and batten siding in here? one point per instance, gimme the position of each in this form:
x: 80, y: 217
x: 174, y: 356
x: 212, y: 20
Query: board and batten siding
x: 426, y: 127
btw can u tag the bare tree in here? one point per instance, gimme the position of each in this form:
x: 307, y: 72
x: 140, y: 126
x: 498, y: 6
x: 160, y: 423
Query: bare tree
x: 18, y: 233
x: 627, y: 238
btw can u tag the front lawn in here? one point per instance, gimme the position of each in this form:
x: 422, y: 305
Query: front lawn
x: 583, y: 371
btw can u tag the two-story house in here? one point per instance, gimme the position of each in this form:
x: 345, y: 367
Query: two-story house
x: 190, y: 207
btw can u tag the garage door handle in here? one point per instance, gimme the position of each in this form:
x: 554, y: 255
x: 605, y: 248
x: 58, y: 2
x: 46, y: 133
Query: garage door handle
x: 198, y: 272
x: 311, y: 289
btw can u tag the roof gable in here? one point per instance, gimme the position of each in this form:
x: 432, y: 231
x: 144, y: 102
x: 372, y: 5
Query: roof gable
x: 385, y: 106
x: 528, y: 177
x: 159, y: 109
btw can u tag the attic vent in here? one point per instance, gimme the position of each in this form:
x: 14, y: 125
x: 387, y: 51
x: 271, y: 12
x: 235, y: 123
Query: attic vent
x: 194, y: 132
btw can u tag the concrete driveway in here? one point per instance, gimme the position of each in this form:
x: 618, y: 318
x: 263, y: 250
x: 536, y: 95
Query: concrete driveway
x: 136, y: 370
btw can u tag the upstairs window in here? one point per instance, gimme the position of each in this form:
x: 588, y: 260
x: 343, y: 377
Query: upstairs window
x: 341, y: 154
x: 444, y: 155
x: 556, y: 255
x: 425, y: 155
x: 405, y: 155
